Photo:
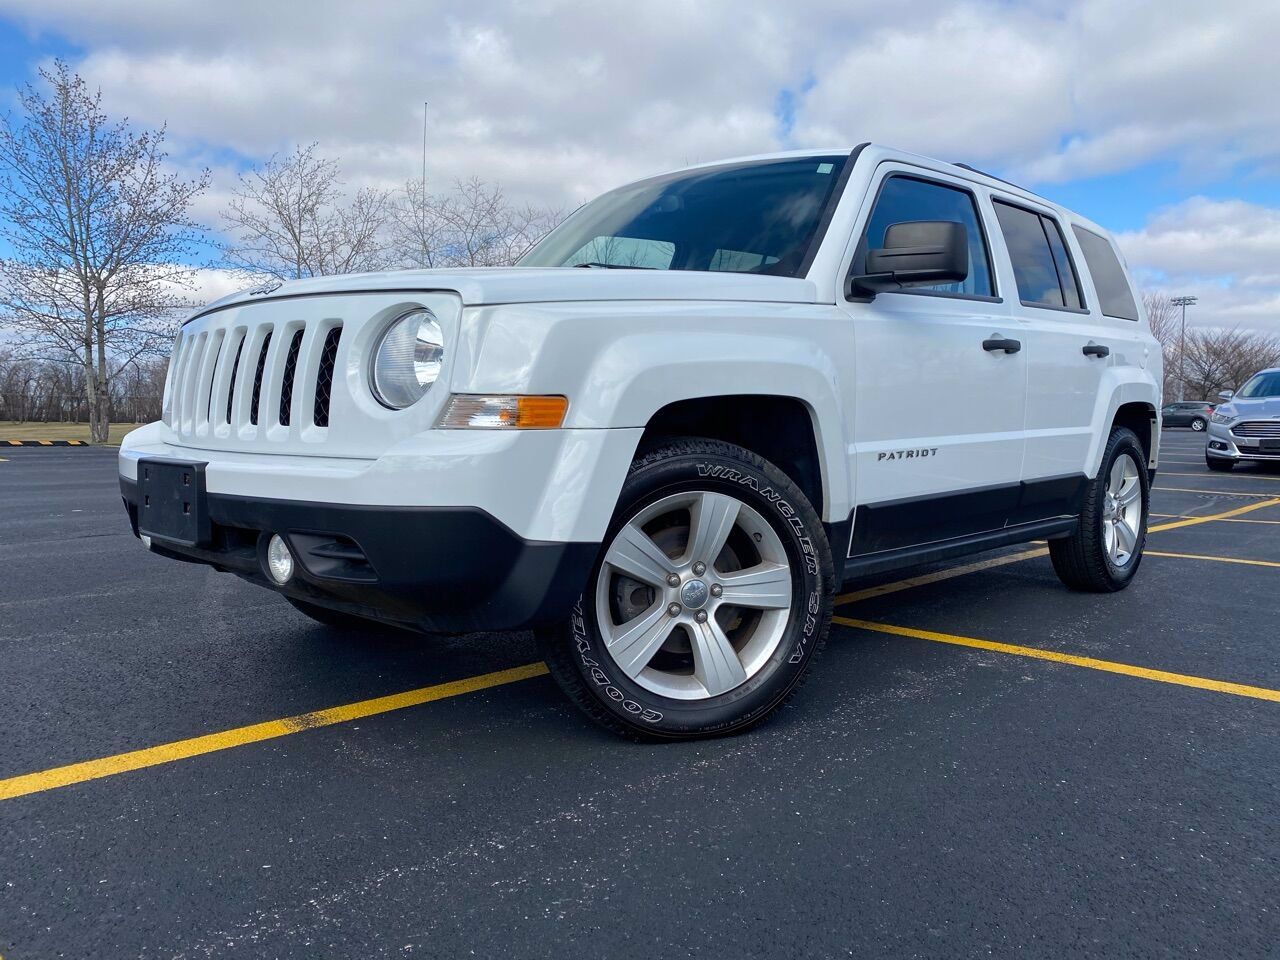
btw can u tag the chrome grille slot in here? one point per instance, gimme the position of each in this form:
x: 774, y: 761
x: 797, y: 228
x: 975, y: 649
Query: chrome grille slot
x: 256, y: 396
x: 186, y: 412
x: 1257, y: 428
x: 231, y: 379
x: 324, y: 377
x: 286, y: 383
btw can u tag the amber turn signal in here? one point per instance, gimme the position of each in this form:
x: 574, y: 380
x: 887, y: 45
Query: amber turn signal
x: 466, y: 411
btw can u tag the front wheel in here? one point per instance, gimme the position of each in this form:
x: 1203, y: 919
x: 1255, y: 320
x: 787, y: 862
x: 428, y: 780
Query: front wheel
x: 1103, y: 554
x: 710, y: 599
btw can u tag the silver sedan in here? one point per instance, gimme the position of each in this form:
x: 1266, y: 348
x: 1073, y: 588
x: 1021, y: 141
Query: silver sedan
x: 1246, y: 426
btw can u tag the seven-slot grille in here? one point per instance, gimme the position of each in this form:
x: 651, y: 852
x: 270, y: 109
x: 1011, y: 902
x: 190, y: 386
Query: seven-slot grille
x: 226, y: 379
x: 1257, y: 428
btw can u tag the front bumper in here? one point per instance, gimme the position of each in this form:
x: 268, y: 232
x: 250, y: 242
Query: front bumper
x: 1222, y: 444
x: 445, y: 569
x: 449, y: 531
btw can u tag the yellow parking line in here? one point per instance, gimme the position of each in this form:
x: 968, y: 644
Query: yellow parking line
x: 881, y: 589
x: 1091, y: 663
x: 1184, y: 516
x: 1220, y: 493
x: 1209, y: 518
x: 1205, y: 556
x: 1221, y: 476
x: 239, y: 736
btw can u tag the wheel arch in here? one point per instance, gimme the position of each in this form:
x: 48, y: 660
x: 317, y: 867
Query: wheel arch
x: 1140, y: 417
x: 1132, y: 402
x: 782, y: 429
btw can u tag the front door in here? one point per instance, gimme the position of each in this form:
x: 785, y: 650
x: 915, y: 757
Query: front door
x: 940, y: 386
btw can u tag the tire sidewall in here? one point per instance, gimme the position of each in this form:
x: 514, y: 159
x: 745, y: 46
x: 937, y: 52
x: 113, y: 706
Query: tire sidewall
x: 1124, y: 442
x: 782, y: 505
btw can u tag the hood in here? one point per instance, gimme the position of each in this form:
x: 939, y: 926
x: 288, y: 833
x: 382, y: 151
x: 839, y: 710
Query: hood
x: 1261, y: 408
x: 491, y: 285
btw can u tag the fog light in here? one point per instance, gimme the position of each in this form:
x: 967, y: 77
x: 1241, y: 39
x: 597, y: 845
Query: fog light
x: 146, y: 541
x: 279, y: 560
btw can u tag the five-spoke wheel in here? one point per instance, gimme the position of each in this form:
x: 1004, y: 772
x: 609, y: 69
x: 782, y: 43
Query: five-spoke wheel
x: 711, y: 597
x: 694, y: 595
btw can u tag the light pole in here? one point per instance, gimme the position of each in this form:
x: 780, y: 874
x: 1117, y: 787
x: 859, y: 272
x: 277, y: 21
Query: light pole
x: 1182, y: 302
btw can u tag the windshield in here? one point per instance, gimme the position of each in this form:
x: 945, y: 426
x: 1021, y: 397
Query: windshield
x: 1262, y: 385
x: 757, y: 217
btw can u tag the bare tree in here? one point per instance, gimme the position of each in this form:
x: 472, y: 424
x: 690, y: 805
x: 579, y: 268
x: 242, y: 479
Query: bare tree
x: 97, y: 229
x: 1162, y: 315
x: 418, y: 228
x: 472, y: 226
x: 1164, y: 320
x: 1224, y: 359
x: 291, y: 219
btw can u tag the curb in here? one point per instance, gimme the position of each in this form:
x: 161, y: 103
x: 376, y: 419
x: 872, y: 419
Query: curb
x: 44, y: 443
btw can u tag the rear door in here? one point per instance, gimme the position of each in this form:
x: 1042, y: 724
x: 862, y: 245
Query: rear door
x: 1071, y: 345
x: 937, y: 424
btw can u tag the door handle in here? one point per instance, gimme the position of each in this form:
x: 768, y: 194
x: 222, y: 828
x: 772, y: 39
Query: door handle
x: 992, y: 344
x: 1096, y: 350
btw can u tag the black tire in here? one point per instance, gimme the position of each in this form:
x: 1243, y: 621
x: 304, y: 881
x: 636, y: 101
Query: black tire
x: 1082, y: 561
x: 1198, y: 424
x: 1219, y: 464
x: 334, y: 618
x: 576, y: 654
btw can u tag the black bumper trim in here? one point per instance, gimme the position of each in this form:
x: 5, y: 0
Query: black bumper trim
x: 439, y: 569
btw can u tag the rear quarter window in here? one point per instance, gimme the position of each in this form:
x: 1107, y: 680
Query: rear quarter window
x: 1114, y: 294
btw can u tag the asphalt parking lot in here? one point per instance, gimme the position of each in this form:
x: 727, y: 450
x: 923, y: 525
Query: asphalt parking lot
x: 983, y: 763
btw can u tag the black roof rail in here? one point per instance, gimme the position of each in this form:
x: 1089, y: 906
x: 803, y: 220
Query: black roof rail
x: 984, y: 173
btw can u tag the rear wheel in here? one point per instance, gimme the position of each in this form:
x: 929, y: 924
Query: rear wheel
x: 1198, y: 424
x: 1219, y: 464
x: 1103, y: 554
x: 710, y: 599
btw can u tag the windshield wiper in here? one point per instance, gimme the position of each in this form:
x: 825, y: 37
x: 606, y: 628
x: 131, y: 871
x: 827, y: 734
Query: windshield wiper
x: 611, y: 266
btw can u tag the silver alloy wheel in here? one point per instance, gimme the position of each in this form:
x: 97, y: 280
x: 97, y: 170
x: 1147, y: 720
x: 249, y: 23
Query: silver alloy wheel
x: 1122, y: 510
x: 694, y: 595
x: 1197, y: 425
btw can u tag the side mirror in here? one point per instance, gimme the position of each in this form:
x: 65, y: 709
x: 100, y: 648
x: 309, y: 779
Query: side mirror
x: 914, y: 253
x: 1226, y: 394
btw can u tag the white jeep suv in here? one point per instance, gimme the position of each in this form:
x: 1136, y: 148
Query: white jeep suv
x: 668, y: 435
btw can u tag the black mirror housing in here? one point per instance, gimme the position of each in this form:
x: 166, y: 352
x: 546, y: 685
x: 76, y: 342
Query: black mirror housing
x: 914, y: 253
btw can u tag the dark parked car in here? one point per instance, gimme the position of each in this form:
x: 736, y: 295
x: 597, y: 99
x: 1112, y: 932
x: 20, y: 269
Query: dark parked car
x: 1190, y: 413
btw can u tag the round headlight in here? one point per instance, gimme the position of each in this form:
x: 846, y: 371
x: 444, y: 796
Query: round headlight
x: 407, y: 359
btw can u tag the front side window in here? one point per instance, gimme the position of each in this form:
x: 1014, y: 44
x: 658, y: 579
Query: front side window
x: 1261, y: 385
x: 757, y: 217
x: 1041, y: 266
x: 906, y: 199
x: 1114, y: 295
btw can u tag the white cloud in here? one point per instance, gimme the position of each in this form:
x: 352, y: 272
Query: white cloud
x: 560, y: 99
x: 1226, y: 252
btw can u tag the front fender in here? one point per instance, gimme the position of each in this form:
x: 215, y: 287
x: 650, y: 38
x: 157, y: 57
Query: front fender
x: 620, y: 363
x: 1121, y: 385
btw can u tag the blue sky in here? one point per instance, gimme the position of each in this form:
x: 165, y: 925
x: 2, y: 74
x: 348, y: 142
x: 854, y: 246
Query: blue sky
x: 1158, y: 120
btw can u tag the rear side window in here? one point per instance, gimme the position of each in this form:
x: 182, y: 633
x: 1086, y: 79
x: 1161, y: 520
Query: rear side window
x: 905, y: 199
x: 1041, y: 265
x: 1114, y: 295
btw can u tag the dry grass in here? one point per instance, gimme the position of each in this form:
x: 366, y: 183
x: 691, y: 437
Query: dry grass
x: 9, y: 430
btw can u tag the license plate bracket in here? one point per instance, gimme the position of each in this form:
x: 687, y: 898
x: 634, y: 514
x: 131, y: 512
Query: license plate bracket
x: 172, y: 502
x: 1269, y: 445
